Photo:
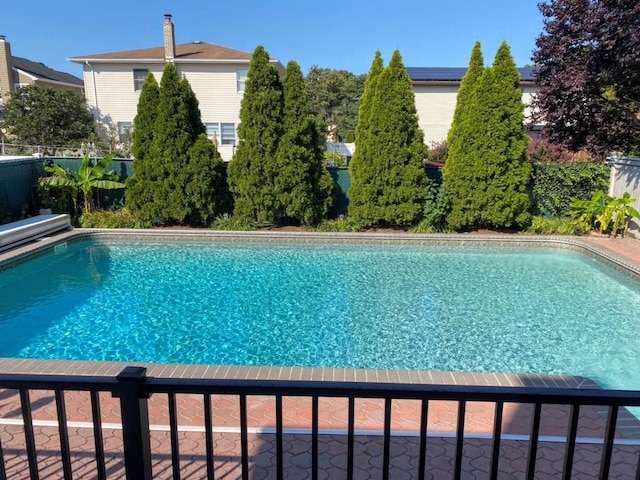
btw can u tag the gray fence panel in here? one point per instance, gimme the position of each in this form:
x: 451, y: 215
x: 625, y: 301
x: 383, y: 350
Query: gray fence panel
x: 625, y: 177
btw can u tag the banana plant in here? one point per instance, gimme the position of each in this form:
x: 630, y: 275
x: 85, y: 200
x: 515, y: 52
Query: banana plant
x: 589, y: 213
x: 622, y: 213
x: 88, y: 178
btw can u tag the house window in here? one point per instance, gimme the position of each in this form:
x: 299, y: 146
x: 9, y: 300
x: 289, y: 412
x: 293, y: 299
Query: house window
x: 139, y: 76
x: 228, y: 133
x: 241, y: 78
x: 225, y: 133
x: 124, y: 131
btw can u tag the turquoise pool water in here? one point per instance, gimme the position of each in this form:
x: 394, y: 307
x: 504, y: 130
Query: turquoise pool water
x: 364, y: 306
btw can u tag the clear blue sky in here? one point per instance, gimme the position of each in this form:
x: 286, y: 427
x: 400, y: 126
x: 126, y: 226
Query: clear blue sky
x: 341, y: 35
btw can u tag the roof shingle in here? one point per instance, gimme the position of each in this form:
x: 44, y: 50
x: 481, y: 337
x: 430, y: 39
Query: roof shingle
x: 192, y: 50
x: 42, y: 71
x: 454, y: 74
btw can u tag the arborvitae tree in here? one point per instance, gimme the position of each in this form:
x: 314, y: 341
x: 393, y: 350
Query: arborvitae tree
x: 206, y: 187
x: 360, y: 168
x: 458, y: 131
x: 394, y: 170
x: 172, y: 139
x: 252, y: 170
x: 195, y: 119
x: 299, y: 165
x: 487, y: 182
x: 138, y: 192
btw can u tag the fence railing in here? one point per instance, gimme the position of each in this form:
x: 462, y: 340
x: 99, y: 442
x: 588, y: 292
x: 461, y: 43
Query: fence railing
x: 133, y: 389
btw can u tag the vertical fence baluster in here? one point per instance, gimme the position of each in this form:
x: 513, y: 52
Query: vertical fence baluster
x: 497, y: 434
x: 97, y: 435
x: 387, y: 439
x: 134, y: 410
x: 173, y: 431
x: 64, y: 434
x: 607, y: 448
x: 570, y: 448
x: 208, y: 435
x: 244, y: 439
x: 459, y: 440
x: 314, y: 438
x: 350, y: 437
x: 25, y: 404
x: 424, y: 418
x: 533, y: 442
x: 3, y: 471
x: 279, y: 440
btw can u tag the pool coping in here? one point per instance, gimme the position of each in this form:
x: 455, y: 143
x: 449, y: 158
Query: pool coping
x: 89, y: 368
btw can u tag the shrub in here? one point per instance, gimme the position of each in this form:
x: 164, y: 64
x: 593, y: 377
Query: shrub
x: 555, y: 184
x: 549, y: 226
x: 436, y: 209
x: 438, y: 152
x: 123, y: 218
x: 334, y: 159
x: 237, y: 223
x: 540, y: 150
x: 338, y: 225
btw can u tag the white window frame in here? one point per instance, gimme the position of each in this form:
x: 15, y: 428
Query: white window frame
x: 241, y: 79
x: 124, y: 132
x: 137, y: 83
x: 222, y: 132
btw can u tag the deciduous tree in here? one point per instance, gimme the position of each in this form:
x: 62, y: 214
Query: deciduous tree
x: 44, y: 116
x: 588, y: 59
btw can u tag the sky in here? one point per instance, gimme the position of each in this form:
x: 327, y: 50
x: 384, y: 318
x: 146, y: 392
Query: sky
x: 340, y: 35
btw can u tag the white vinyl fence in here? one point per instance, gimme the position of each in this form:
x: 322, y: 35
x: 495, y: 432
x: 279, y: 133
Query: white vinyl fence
x: 625, y: 177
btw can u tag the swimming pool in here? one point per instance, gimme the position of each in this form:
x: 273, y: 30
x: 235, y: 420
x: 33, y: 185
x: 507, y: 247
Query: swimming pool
x: 453, y: 308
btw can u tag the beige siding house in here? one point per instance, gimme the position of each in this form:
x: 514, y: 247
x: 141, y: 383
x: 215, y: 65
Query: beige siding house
x: 217, y: 74
x: 16, y: 72
x: 436, y: 90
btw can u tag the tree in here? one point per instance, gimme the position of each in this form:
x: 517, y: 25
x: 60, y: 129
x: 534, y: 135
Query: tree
x: 145, y: 119
x: 360, y: 168
x: 139, y: 190
x: 456, y: 137
x: 487, y: 180
x: 161, y: 196
x: 333, y: 95
x: 252, y: 170
x: 588, y: 63
x: 299, y: 168
x: 206, y: 188
x: 393, y: 176
x: 43, y: 116
x: 88, y: 179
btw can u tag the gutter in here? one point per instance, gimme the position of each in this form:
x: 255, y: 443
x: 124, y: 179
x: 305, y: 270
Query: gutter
x: 95, y: 90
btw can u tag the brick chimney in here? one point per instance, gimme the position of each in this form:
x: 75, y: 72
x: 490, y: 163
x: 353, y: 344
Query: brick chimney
x: 6, y: 70
x: 169, y: 39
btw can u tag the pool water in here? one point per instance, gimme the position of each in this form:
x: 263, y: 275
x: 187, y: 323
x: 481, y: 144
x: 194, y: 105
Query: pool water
x: 526, y: 310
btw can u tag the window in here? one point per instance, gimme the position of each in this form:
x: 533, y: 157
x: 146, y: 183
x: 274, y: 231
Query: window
x: 225, y: 133
x: 139, y: 76
x: 228, y: 133
x: 241, y: 78
x: 124, y: 131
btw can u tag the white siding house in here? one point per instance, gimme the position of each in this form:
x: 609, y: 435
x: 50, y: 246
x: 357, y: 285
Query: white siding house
x: 436, y: 90
x: 113, y: 82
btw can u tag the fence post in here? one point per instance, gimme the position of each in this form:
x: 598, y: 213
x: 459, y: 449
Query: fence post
x: 135, y: 423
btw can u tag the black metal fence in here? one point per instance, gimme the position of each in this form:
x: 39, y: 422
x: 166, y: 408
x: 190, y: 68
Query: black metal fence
x: 133, y: 388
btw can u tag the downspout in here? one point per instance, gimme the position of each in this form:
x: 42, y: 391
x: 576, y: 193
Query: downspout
x: 95, y: 90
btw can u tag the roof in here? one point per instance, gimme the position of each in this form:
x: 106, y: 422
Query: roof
x: 185, y: 51
x: 454, y: 74
x: 41, y: 71
x: 342, y: 148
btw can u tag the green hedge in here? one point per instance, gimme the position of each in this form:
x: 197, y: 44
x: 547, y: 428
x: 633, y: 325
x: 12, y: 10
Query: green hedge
x: 555, y: 184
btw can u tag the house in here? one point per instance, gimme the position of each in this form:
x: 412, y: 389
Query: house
x: 217, y: 75
x: 16, y: 72
x: 436, y: 91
